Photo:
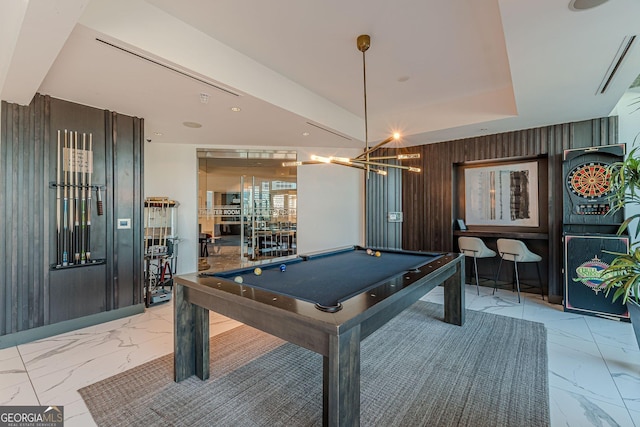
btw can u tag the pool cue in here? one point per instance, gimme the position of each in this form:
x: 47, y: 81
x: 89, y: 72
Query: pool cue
x: 65, y: 210
x: 58, y: 230
x: 89, y: 191
x: 71, y: 188
x: 146, y: 231
x: 70, y: 212
x: 76, y: 203
x: 163, y: 228
x: 83, y: 201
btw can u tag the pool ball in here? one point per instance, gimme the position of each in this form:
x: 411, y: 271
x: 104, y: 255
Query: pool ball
x: 378, y: 253
x: 283, y: 268
x: 369, y: 252
x: 257, y: 271
x: 237, y: 279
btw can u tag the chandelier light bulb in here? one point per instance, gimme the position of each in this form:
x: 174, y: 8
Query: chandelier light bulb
x: 320, y: 159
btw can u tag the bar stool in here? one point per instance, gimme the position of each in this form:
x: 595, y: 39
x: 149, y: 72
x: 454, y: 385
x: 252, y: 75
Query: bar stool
x: 516, y: 251
x: 475, y: 247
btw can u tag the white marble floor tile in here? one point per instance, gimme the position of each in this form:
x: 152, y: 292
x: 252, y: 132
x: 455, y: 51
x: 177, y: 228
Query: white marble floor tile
x: 79, y: 420
x: 8, y: 353
x: 163, y: 310
x: 612, y: 332
x: 435, y: 295
x: 17, y: 392
x: 11, y: 362
x: 576, y: 366
x: 62, y: 351
x: 568, y: 328
x: 12, y: 378
x: 575, y: 410
x: 624, y: 366
x: 15, y: 386
x: 537, y: 309
x: 53, y: 381
x: 503, y: 303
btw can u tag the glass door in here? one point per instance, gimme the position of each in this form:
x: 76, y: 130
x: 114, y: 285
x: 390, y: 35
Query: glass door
x: 247, y: 207
x: 269, y: 218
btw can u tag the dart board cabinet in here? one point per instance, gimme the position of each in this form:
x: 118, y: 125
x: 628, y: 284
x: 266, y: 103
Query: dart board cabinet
x: 586, y: 257
x: 589, y: 230
x: 586, y: 185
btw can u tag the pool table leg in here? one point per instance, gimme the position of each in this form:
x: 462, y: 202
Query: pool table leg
x: 341, y: 380
x: 454, y: 310
x: 191, y: 338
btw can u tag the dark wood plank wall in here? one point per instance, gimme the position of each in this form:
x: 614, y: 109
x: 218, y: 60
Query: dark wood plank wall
x: 381, y: 233
x: 427, y: 198
x: 31, y: 294
x: 23, y: 229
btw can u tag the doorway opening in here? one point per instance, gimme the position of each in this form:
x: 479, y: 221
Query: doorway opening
x: 247, y: 205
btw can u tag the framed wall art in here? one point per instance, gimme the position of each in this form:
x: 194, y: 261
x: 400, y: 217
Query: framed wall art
x: 502, y: 195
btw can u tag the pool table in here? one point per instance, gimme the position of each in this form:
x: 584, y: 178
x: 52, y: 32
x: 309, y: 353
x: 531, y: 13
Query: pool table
x: 326, y: 302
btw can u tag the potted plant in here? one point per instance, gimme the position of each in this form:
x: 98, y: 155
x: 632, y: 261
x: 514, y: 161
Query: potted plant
x: 623, y: 274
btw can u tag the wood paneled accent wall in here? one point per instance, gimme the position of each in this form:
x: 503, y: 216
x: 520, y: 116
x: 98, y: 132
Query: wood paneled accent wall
x: 381, y: 233
x: 32, y: 294
x: 427, y: 198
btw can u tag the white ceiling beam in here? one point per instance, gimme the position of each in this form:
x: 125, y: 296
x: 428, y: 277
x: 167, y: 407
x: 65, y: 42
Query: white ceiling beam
x: 151, y: 31
x: 33, y: 33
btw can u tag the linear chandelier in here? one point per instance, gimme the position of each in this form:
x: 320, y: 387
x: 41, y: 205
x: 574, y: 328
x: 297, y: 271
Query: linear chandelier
x: 364, y: 161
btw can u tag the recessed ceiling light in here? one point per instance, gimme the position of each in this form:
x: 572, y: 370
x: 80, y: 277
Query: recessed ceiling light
x: 305, y: 133
x: 403, y: 79
x: 194, y: 125
x: 577, y: 5
x: 235, y: 109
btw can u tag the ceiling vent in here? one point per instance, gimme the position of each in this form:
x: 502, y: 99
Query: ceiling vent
x: 327, y: 130
x: 622, y: 52
x: 168, y: 67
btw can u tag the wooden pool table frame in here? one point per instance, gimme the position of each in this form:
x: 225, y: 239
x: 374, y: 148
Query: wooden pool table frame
x: 336, y: 336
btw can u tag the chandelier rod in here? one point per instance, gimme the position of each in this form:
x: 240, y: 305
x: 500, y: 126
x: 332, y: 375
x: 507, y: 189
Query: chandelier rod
x: 363, y: 48
x: 364, y: 161
x: 363, y: 42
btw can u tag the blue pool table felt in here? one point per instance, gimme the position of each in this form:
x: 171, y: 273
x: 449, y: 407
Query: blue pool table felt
x: 330, y: 278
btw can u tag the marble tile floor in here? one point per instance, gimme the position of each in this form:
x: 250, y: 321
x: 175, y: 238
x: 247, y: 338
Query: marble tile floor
x: 594, y: 363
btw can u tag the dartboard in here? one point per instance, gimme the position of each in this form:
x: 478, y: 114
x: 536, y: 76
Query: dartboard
x: 589, y: 180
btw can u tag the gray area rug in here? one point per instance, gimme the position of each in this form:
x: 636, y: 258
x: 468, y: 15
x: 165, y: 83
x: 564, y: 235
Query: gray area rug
x: 416, y: 371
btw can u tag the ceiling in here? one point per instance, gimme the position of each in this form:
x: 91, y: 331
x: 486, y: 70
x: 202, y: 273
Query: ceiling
x: 436, y: 69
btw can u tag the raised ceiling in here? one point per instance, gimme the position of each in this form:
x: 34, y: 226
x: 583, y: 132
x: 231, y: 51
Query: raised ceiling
x: 436, y: 69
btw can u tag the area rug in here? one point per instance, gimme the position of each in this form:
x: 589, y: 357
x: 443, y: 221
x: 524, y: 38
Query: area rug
x: 416, y: 370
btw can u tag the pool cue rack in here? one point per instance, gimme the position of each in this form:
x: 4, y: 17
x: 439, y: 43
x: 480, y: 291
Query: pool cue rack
x: 160, y: 248
x: 74, y: 190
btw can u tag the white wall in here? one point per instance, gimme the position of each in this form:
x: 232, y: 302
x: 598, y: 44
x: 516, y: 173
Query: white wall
x: 330, y: 204
x: 629, y: 134
x: 171, y: 170
x: 629, y: 118
x: 330, y: 198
